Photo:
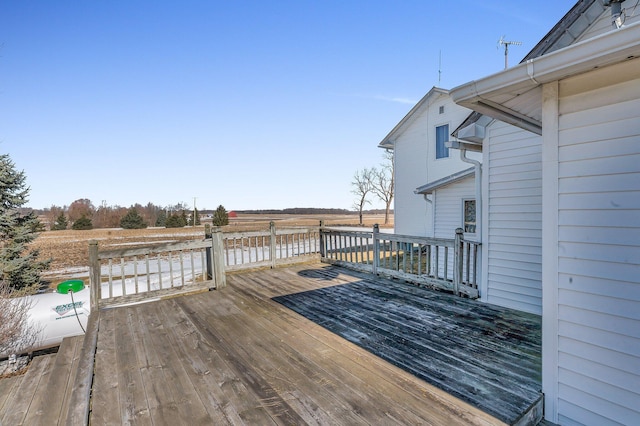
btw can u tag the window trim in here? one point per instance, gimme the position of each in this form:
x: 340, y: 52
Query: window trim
x: 445, y: 140
x: 464, y: 218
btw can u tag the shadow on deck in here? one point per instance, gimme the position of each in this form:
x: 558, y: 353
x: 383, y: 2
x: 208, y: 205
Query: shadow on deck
x: 485, y: 355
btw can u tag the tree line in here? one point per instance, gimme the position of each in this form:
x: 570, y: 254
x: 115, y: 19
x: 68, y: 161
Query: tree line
x: 82, y: 214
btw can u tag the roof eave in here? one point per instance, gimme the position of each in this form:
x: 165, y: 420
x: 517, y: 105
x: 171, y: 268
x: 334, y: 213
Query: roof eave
x: 609, y: 48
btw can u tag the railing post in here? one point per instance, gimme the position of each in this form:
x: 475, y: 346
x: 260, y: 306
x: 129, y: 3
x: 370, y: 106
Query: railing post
x: 376, y: 249
x: 272, y: 243
x: 322, y: 242
x: 94, y: 276
x: 458, y: 261
x: 217, y: 254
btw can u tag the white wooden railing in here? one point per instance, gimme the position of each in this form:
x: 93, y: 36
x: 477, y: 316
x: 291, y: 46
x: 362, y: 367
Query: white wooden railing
x: 448, y: 264
x: 133, y: 274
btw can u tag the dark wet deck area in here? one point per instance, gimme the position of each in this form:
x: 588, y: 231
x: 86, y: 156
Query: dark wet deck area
x: 485, y: 355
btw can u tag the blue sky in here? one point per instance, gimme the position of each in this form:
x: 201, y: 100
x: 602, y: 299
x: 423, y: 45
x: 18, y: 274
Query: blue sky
x: 248, y: 104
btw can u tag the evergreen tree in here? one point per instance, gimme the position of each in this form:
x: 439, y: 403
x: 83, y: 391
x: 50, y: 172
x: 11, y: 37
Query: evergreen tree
x: 20, y: 267
x: 61, y: 223
x: 82, y: 224
x: 176, y: 220
x: 220, y: 216
x: 132, y: 220
x: 161, y: 220
x: 195, y: 214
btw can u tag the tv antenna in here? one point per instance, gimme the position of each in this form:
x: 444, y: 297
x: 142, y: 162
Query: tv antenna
x: 506, y: 44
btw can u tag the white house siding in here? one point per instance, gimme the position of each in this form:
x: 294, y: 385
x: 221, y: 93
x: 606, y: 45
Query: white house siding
x: 598, y: 268
x: 416, y: 165
x: 448, y: 213
x: 513, y: 238
x: 412, y: 214
x: 448, y: 210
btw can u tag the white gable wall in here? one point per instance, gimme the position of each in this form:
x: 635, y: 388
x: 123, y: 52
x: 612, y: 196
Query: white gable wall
x: 412, y: 213
x: 594, y: 225
x: 416, y: 165
x: 512, y: 241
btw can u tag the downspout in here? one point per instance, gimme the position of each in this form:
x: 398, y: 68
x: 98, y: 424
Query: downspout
x: 478, y: 181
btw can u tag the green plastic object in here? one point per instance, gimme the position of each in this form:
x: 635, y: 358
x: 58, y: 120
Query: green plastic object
x: 71, y: 285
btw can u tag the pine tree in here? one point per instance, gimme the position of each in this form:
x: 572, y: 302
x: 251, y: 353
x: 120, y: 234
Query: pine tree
x: 195, y: 214
x: 132, y: 220
x: 20, y: 267
x: 82, y: 224
x: 220, y: 216
x: 176, y: 221
x: 61, y: 223
x: 161, y: 220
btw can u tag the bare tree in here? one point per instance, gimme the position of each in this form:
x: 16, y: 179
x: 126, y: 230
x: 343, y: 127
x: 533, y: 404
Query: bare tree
x: 79, y: 208
x: 361, y: 188
x: 17, y: 333
x: 382, y: 183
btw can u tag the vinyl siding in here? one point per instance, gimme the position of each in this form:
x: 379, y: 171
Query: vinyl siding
x: 412, y: 214
x: 448, y: 213
x: 415, y: 164
x: 513, y: 237
x: 599, y: 255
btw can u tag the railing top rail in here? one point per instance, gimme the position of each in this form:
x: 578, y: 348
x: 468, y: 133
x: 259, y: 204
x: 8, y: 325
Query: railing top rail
x: 156, y: 248
x: 266, y: 233
x: 245, y: 234
x: 299, y: 230
x: 442, y: 242
x: 334, y: 231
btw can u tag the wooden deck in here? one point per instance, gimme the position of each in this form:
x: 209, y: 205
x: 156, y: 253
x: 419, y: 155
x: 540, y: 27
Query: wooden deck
x: 313, y: 344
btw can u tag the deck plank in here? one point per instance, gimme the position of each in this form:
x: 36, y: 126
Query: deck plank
x: 49, y: 401
x: 8, y: 386
x: 105, y: 404
x: 292, y: 382
x: 222, y: 395
x: 19, y: 406
x: 179, y: 393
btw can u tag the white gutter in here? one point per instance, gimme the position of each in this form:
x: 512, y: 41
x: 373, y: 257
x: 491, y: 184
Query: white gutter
x: 609, y: 48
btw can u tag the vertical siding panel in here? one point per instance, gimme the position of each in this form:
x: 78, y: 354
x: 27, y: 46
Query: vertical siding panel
x: 514, y: 232
x: 598, y: 265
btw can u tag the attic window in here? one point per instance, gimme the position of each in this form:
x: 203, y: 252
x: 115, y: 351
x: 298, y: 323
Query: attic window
x: 441, y: 109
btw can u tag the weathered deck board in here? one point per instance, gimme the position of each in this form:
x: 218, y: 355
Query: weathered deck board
x: 235, y: 356
x: 485, y: 355
x: 8, y: 386
x: 20, y: 404
x: 51, y: 401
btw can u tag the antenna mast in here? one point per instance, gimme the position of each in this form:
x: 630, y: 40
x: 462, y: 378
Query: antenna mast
x: 439, y: 67
x: 503, y: 42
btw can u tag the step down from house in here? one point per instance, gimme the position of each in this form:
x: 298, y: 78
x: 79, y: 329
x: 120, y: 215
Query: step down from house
x: 52, y: 401
x: 19, y: 403
x: 41, y: 395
